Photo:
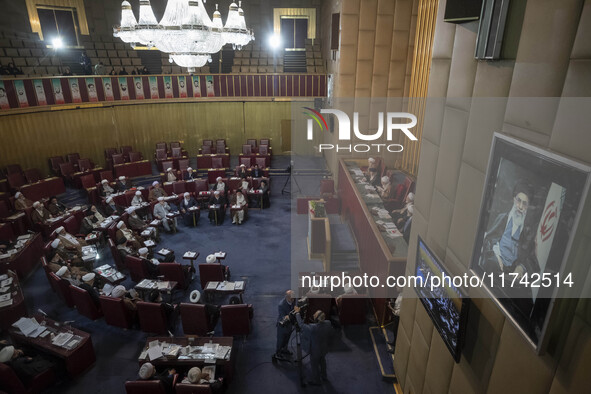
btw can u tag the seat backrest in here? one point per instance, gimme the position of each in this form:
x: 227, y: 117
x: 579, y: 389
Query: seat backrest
x: 6, y: 232
x: 84, y: 164
x: 175, y: 144
x: 210, y: 272
x: 235, y: 320
x: 4, y: 209
x: 110, y: 152
x: 174, y: 272
x: 264, y: 141
x: 66, y: 169
x: 71, y: 225
x: 246, y: 149
x: 188, y: 388
x: 152, y: 317
x: 116, y: 255
x: 216, y: 162
x: 321, y: 302
x: 252, y: 142
x: 161, y: 145
x: 118, y: 159
x: 84, y: 304
x: 87, y: 181
x: 179, y: 187
x: 33, y: 175
x: 145, y: 387
x: 13, y: 168
x: 16, y: 180
x: 135, y: 156
x: 176, y: 152
x: 116, y: 314
x: 220, y: 149
x: 220, y: 141
x: 327, y: 186
x: 183, y: 164
x: 161, y: 154
x: 194, y: 319
x: 73, y: 158
x: 126, y: 149
x: 352, y: 309
x: 167, y: 164
x: 246, y: 161
x: 55, y: 162
x: 263, y: 149
x: 137, y: 268
x: 261, y: 162
x: 62, y: 287
x: 200, y: 185
x: 208, y: 142
x: 206, y: 149
x: 9, y: 381
x: 108, y: 175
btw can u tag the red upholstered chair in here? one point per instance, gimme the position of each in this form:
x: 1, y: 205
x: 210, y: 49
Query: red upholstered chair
x: 352, y: 309
x: 16, y: 180
x: 235, y: 320
x: 188, y: 388
x: 252, y: 142
x: 6, y: 232
x: 220, y: 149
x: 211, y: 272
x: 327, y: 187
x: 176, y: 153
x: 73, y: 158
x: 137, y: 268
x: 161, y: 154
x: 321, y: 302
x: 71, y: 225
x: 112, y: 230
x: 110, y: 152
x: 116, y: 255
x: 220, y: 141
x: 116, y: 314
x: 54, y: 164
x: 208, y: 142
x: 216, y: 162
x: 87, y: 181
x: 399, y: 193
x: 265, y: 141
x: 161, y: 145
x: 246, y: 161
x: 246, y: 149
x: 135, y: 156
x: 194, y: 319
x: 108, y: 175
x: 118, y: 159
x: 263, y: 149
x: 33, y: 175
x: 84, y: 303
x: 167, y: 164
x: 10, y: 383
x: 206, y: 150
x: 13, y: 168
x: 179, y: 187
x: 175, y: 272
x: 125, y: 151
x: 261, y: 162
x: 62, y: 287
x: 183, y: 164
x: 201, y: 185
x: 145, y: 387
x: 84, y: 164
x: 152, y: 317
x: 175, y: 144
x: 4, y: 209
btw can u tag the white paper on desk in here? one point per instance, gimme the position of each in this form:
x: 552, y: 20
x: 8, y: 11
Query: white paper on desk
x: 5, y: 297
x: 24, y: 237
x: 226, y: 286
x: 239, y: 285
x: 219, y: 255
x: 149, y: 243
x: 4, y: 256
x: 3, y: 276
x: 212, y: 285
x: 163, y: 252
x: 189, y: 255
x: 62, y: 338
x: 154, y: 352
x: 4, y: 289
x: 369, y: 187
x: 210, y: 347
x: 393, y: 234
x: 6, y: 282
x: 26, y: 325
x: 5, y: 303
x: 209, y: 370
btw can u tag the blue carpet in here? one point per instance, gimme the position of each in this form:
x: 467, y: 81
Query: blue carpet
x: 259, y: 252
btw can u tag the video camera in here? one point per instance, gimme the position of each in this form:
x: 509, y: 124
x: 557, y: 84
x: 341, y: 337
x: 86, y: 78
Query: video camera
x: 301, y: 303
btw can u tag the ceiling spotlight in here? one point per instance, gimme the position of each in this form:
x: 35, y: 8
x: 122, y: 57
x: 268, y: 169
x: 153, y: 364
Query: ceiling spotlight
x: 57, y: 43
x: 274, y: 41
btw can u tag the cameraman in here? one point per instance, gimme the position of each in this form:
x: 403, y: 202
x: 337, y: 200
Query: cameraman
x: 315, y: 338
x: 284, y: 325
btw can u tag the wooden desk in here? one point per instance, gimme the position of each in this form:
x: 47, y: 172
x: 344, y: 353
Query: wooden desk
x: 77, y: 360
x: 25, y: 259
x: 133, y: 170
x: 212, y: 288
x: 226, y: 365
x: 45, y: 188
x: 11, y: 313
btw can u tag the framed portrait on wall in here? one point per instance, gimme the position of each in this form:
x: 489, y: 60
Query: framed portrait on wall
x: 108, y: 89
x: 139, y: 88
x: 4, y: 104
x: 58, y: 93
x: 40, y: 92
x: 75, y: 90
x: 530, y: 208
x: 91, y: 88
x: 182, y: 80
x: 123, y: 88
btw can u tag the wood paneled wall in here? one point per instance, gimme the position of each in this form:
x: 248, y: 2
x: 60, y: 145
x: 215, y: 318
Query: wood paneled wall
x: 30, y: 139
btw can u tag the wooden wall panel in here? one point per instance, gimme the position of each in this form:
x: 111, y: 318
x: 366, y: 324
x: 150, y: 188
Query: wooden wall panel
x: 30, y: 139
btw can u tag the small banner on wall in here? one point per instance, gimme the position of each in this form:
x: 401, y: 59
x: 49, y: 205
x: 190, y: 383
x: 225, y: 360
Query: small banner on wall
x: 123, y: 89
x: 196, y: 86
x: 58, y: 95
x: 75, y: 89
x: 91, y: 86
x: 39, y: 92
x: 21, y: 94
x: 154, y: 94
x: 182, y: 86
x: 209, y: 83
x: 108, y: 88
x: 139, y: 88
x: 168, y: 87
x: 4, y: 104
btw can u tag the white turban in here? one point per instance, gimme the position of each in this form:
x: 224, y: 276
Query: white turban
x: 219, y: 178
x: 18, y: 194
x: 348, y: 289
x: 146, y: 371
x: 385, y: 179
x: 371, y: 160
x: 210, y: 259
x: 131, y: 210
x: 195, y: 296
x: 411, y: 209
x: 187, y: 194
x: 160, y: 199
x: 142, y: 251
x: 189, y: 169
x: 107, y: 289
x: 122, y: 178
x: 411, y: 196
x: 61, y: 271
x: 118, y: 291
x: 59, y: 229
x: 6, y: 354
x: 55, y: 243
x: 242, y: 165
x: 138, y: 193
x: 120, y: 224
x: 109, y: 200
x: 216, y: 192
x: 104, y: 181
x: 36, y: 204
x: 194, y: 375
x: 155, y: 183
x: 168, y: 169
x: 88, y: 277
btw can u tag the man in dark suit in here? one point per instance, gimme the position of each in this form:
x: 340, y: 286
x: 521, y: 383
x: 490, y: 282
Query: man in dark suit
x: 284, y: 326
x: 256, y: 172
x: 123, y: 184
x: 190, y: 217
x: 89, y: 286
x: 315, y: 337
x: 242, y: 173
x: 112, y: 209
x: 217, y: 213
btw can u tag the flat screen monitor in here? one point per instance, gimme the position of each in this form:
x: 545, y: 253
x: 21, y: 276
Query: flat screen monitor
x: 458, y: 11
x: 445, y: 304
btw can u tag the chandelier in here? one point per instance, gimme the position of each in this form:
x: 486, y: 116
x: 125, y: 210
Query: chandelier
x: 185, y: 31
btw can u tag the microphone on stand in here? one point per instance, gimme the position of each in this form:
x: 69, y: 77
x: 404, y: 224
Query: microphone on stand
x: 41, y: 311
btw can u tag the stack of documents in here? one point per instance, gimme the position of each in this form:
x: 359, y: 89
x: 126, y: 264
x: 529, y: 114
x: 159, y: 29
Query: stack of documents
x: 29, y: 327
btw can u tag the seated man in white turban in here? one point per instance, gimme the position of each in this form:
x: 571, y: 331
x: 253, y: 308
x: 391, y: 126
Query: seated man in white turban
x: 21, y: 202
x: 137, y: 199
x: 189, y: 174
x: 139, y: 225
x: 211, y: 259
x: 217, y: 208
x: 190, y: 217
x: 170, y: 177
x: 68, y: 240
x: 148, y: 372
x: 124, y: 248
x: 220, y: 186
x: 105, y: 189
x: 156, y: 192
x: 196, y: 376
x: 59, y: 258
x: 39, y: 214
x: 129, y: 300
x: 348, y: 291
x: 242, y: 172
x: 112, y: 209
x: 239, y: 200
x: 92, y: 220
x: 91, y: 286
x: 133, y: 239
x: 66, y: 274
x: 123, y: 184
x: 401, y: 216
x: 386, y: 188
x: 136, y: 202
x: 160, y: 211
x: 25, y: 363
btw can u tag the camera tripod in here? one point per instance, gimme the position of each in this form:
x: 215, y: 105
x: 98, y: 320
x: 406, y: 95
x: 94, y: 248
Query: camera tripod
x: 290, y: 171
x: 298, y: 360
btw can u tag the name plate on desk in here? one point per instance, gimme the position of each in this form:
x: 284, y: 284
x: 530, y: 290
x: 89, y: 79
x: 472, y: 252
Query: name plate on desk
x: 149, y: 243
x: 204, y: 193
